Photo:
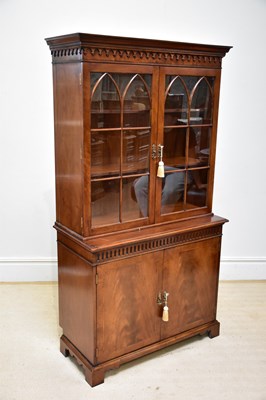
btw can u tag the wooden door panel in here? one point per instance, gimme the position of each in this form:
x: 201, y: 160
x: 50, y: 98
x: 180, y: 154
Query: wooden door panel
x: 127, y: 310
x: 190, y: 276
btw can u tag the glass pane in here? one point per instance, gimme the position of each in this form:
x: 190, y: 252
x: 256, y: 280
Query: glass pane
x: 190, y: 82
x: 186, y: 149
x: 105, y: 202
x: 105, y: 153
x: 201, y: 104
x: 175, y: 147
x: 176, y: 103
x: 194, y: 158
x: 105, y: 103
x: 140, y: 194
x: 130, y: 206
x: 202, y: 136
x: 197, y: 188
x: 211, y: 80
x: 123, y: 80
x: 94, y: 78
x: 136, y: 145
x: 173, y: 184
x: 137, y: 104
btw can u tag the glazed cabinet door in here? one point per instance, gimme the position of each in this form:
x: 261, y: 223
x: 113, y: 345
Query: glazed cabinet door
x: 122, y: 110
x: 187, y: 123
x: 190, y: 276
x: 128, y: 316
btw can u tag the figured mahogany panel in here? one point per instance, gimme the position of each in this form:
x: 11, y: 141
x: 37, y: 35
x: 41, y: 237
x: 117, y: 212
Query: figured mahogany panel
x: 190, y: 276
x: 77, y: 296
x: 127, y: 312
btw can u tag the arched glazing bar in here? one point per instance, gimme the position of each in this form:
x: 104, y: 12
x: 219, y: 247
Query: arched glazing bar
x: 201, y: 102
x: 176, y: 102
x: 105, y: 103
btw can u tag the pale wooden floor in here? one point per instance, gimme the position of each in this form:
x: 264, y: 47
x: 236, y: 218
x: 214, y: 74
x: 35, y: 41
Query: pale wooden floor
x: 229, y: 367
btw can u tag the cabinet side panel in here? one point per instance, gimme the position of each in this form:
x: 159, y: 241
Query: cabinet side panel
x: 191, y: 277
x: 77, y: 300
x: 68, y: 144
x: 128, y: 313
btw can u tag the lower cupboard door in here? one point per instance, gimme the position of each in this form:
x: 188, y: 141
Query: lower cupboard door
x: 190, y: 276
x: 127, y: 312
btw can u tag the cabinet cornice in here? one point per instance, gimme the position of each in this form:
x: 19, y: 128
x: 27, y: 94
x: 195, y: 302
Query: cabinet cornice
x: 86, y: 47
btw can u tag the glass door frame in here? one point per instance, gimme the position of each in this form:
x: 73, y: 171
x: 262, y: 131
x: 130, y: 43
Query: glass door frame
x: 89, y: 68
x: 199, y: 72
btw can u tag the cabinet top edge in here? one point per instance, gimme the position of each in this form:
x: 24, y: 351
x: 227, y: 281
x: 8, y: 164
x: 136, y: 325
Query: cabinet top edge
x: 79, y: 40
x: 116, y: 239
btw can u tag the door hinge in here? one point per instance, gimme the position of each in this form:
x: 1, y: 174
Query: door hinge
x: 80, y: 78
x: 81, y: 153
x: 96, y: 278
x: 96, y: 352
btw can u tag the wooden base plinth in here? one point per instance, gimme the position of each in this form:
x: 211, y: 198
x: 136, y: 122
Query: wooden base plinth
x: 94, y: 374
x: 214, y: 331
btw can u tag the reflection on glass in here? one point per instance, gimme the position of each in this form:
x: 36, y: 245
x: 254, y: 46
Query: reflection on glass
x: 94, y: 78
x: 105, y: 104
x: 173, y: 185
x: 176, y: 102
x: 185, y: 93
x: 140, y: 193
x: 105, y: 202
x: 202, y: 137
x: 120, y: 146
x: 194, y: 182
x: 190, y: 82
x: 123, y: 80
x: 105, y: 153
x: 136, y: 146
x: 131, y: 209
x: 197, y: 189
x: 136, y: 103
x: 99, y: 153
x: 201, y: 104
x: 189, y: 104
x: 175, y: 147
x: 181, y: 151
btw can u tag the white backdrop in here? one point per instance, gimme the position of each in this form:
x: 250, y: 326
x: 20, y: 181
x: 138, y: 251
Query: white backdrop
x: 27, y: 209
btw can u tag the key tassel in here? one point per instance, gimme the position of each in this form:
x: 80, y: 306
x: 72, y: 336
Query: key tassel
x: 165, y: 314
x: 160, y: 172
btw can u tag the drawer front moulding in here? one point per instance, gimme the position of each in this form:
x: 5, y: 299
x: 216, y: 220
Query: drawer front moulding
x: 157, y: 244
